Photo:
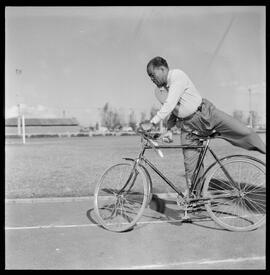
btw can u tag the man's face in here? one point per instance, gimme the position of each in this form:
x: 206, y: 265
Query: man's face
x: 158, y: 75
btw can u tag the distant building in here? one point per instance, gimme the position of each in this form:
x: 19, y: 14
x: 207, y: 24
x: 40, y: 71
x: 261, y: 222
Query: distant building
x: 39, y: 126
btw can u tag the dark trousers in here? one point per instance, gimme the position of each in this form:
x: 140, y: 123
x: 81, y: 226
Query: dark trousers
x: 207, y: 119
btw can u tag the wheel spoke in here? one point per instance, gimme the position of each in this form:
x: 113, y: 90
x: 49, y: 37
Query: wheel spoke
x: 247, y: 191
x: 239, y: 176
x: 119, y: 211
x: 247, y: 210
x: 226, y: 183
x: 256, y: 205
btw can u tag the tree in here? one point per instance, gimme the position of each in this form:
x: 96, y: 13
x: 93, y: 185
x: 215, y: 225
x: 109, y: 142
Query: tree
x: 132, y: 120
x: 143, y: 117
x: 116, y: 120
x: 239, y: 115
x: 110, y: 118
x: 255, y: 118
x: 105, y: 115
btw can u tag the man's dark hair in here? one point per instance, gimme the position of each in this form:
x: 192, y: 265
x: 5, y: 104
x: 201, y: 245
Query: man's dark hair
x: 157, y: 62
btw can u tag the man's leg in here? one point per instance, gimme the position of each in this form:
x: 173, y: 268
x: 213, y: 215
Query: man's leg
x: 190, y: 157
x: 231, y: 129
x: 236, y: 132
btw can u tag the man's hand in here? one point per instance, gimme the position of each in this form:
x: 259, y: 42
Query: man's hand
x: 147, y: 125
x: 167, y: 137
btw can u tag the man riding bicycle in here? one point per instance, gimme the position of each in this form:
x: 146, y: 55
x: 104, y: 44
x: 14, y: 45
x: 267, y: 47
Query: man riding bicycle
x: 191, y: 113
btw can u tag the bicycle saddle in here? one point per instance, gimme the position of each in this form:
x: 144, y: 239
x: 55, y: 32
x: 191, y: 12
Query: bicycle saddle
x: 210, y: 135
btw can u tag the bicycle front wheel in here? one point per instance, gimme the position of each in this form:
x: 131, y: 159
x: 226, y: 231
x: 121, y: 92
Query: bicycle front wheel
x: 120, y: 197
x: 237, y: 193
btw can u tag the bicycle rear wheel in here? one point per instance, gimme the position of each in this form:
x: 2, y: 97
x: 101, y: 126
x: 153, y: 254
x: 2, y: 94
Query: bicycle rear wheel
x: 238, y: 206
x: 120, y: 197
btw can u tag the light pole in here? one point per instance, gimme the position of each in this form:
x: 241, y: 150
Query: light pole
x: 18, y: 73
x: 21, y: 119
x: 250, y: 111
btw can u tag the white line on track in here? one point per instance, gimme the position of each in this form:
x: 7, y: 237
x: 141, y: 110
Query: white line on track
x: 95, y: 225
x: 157, y: 266
x: 168, y: 195
x: 77, y: 225
x: 201, y: 262
x: 48, y: 226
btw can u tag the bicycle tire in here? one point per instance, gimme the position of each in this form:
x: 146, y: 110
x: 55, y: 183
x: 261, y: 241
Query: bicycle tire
x: 116, y: 211
x: 247, y: 210
x: 148, y: 178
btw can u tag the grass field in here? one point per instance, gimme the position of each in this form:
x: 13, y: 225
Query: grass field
x: 61, y: 167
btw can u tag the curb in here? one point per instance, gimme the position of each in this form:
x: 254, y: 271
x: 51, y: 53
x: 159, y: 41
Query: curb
x: 74, y: 199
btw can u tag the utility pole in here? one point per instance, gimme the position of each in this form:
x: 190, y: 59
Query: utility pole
x: 18, y: 73
x: 23, y: 129
x: 250, y: 111
x: 19, y: 120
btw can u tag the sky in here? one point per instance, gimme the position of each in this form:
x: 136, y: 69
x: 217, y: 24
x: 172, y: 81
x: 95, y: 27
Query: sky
x: 76, y: 59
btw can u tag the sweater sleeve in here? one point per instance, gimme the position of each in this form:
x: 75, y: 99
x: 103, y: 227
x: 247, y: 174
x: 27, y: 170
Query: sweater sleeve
x: 176, y: 89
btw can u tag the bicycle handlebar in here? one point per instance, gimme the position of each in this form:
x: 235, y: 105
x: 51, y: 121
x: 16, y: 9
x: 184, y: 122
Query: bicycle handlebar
x: 151, y: 140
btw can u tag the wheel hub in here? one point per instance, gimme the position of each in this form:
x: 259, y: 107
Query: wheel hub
x: 242, y: 194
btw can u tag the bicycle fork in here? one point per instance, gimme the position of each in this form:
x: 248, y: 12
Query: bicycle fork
x: 131, y: 176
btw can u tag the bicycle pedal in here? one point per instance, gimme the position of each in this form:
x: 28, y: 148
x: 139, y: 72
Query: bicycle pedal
x: 186, y: 217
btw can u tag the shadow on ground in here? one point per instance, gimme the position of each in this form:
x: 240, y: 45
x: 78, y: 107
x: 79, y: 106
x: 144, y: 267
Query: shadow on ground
x: 171, y: 212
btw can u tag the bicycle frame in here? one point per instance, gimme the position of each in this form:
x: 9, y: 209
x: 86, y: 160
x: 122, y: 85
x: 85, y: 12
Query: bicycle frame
x: 214, y: 190
x: 204, y: 148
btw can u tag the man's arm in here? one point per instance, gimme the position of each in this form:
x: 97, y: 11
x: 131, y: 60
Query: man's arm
x: 177, y: 87
x: 171, y: 122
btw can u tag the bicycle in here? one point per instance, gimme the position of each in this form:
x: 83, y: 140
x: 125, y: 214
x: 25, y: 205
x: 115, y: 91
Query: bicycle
x: 232, y: 189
